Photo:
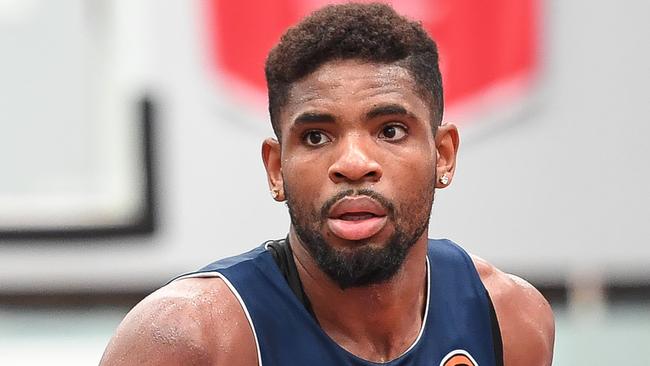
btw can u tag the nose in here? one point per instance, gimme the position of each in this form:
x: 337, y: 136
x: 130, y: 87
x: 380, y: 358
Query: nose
x: 354, y: 163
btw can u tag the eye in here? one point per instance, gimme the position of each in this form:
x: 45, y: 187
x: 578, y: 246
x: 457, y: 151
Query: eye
x: 315, y: 138
x: 393, y: 132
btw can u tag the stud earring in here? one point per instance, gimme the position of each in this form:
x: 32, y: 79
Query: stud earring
x: 444, y: 179
x: 275, y: 193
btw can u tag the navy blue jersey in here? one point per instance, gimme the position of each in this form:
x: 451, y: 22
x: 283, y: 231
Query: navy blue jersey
x: 457, y: 326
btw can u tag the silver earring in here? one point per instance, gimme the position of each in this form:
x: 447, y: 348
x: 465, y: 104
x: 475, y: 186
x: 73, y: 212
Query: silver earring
x: 444, y: 179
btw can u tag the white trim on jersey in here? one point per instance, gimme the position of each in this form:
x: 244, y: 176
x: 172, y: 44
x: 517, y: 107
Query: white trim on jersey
x: 426, y: 312
x: 232, y: 288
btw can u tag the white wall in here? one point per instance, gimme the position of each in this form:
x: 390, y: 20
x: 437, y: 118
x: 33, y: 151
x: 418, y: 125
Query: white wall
x: 556, y: 188
x: 564, y: 188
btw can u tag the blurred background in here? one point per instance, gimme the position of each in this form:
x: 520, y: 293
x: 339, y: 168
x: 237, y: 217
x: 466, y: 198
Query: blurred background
x: 130, y: 134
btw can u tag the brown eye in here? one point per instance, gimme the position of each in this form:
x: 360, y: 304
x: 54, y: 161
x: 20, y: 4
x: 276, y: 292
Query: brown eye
x: 393, y: 132
x: 316, y: 138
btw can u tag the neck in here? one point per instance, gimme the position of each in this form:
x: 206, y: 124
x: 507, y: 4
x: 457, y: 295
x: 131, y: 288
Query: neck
x: 376, y: 322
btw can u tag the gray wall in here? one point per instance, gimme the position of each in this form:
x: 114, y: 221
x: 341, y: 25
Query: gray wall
x: 552, y: 188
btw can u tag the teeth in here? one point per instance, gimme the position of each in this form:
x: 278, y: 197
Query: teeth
x: 357, y: 216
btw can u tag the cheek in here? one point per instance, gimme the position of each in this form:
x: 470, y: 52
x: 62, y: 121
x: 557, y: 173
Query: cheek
x: 413, y: 181
x: 414, y: 171
x: 303, y: 176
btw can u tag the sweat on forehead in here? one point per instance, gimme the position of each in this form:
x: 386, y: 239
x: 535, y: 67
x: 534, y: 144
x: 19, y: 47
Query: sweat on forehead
x: 372, y: 33
x: 343, y: 73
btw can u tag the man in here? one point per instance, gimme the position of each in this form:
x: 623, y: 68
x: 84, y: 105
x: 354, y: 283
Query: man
x: 355, y: 99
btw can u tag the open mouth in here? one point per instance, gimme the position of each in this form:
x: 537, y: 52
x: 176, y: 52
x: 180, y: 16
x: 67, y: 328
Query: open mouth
x: 356, y: 218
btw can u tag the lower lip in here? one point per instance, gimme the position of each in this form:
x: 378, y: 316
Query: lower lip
x: 357, y: 229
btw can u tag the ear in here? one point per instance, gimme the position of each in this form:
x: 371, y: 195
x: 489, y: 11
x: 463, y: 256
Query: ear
x: 271, y: 156
x: 447, y: 141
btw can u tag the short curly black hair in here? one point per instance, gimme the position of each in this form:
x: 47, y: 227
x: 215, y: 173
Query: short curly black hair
x: 369, y: 32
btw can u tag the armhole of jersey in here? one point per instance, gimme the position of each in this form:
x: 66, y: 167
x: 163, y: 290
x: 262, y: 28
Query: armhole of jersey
x: 239, y: 299
x: 497, y: 341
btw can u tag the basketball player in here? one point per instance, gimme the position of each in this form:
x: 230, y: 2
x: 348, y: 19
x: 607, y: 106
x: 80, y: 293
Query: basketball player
x: 355, y: 100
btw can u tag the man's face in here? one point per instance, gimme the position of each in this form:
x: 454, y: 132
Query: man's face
x: 358, y: 167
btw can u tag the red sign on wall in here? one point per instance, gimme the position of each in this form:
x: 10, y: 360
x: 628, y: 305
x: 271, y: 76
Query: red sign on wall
x: 482, y: 44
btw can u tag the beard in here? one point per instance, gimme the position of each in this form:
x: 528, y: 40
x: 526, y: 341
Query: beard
x: 369, y: 262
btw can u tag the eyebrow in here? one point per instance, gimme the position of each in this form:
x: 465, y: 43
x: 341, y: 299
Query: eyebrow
x: 377, y: 111
x: 388, y: 110
x: 313, y: 117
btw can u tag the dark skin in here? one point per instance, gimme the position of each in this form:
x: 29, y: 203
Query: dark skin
x: 347, y: 125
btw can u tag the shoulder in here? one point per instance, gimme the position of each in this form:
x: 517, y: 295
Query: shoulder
x: 525, y: 317
x: 193, y: 321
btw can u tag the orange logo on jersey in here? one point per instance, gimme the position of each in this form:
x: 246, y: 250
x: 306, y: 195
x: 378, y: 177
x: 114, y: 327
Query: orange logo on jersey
x: 458, y: 358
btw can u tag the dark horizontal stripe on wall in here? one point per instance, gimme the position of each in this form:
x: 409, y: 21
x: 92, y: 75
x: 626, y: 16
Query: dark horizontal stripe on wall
x: 556, y: 295
x: 73, y: 300
x: 636, y: 292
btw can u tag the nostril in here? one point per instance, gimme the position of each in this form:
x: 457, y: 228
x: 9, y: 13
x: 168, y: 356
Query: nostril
x: 339, y: 175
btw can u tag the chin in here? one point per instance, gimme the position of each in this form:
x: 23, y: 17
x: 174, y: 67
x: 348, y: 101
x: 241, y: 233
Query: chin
x: 376, y: 242
x: 358, y: 263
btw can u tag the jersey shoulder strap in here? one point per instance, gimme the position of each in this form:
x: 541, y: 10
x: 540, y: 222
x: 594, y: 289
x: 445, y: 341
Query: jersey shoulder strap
x: 463, y: 309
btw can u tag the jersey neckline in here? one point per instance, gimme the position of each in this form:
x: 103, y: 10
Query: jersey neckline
x: 326, y: 336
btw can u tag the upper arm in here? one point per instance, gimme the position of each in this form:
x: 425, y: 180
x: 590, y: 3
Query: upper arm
x: 184, y: 323
x: 525, y: 317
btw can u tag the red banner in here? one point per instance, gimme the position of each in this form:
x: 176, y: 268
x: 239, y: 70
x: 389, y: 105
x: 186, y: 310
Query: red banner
x: 481, y: 43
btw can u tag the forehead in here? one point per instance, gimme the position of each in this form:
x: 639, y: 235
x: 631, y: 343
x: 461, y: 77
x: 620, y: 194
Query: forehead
x: 354, y: 83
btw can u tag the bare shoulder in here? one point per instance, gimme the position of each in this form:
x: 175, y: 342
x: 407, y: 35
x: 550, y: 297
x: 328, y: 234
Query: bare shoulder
x: 525, y: 317
x: 193, y: 321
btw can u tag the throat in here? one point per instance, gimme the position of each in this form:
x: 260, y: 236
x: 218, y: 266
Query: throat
x: 376, y: 323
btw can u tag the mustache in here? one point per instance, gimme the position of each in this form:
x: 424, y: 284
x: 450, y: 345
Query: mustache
x: 383, y: 201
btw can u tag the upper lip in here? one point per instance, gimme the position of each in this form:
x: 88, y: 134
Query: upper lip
x: 356, y: 204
